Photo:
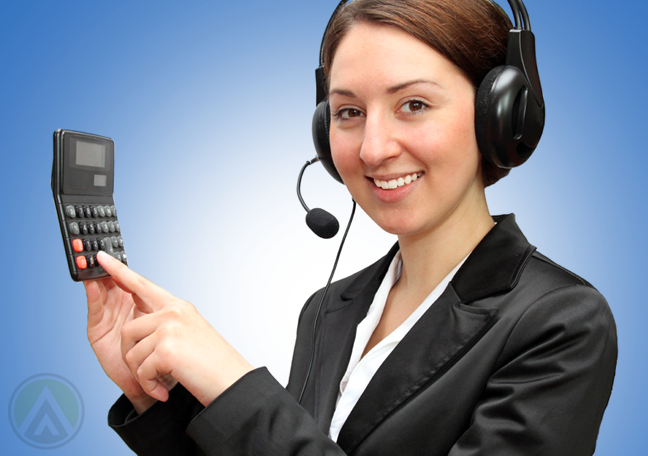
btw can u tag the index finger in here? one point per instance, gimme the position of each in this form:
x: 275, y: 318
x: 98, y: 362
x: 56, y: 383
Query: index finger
x: 151, y: 297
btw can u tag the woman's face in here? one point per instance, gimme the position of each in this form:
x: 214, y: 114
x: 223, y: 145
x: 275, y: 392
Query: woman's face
x: 402, y: 131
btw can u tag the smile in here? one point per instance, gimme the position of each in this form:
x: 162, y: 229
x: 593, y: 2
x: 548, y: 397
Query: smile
x: 396, y: 183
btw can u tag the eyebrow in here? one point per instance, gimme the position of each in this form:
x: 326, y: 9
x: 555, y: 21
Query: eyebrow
x: 398, y: 87
x: 390, y: 90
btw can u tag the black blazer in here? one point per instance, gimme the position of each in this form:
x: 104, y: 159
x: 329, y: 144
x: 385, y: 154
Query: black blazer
x: 516, y: 357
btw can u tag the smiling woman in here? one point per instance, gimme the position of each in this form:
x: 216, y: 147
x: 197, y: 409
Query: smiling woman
x: 462, y: 340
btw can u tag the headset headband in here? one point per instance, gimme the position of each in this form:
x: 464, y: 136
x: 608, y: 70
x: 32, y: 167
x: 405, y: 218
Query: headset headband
x: 521, y: 21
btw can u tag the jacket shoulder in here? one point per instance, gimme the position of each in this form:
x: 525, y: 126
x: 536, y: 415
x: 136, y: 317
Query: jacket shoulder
x: 557, y: 271
x: 550, y: 293
x: 544, y: 280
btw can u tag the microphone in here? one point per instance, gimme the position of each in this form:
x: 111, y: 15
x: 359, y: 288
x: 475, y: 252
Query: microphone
x: 322, y: 223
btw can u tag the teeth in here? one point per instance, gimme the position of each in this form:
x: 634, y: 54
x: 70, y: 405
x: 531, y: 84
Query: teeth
x: 396, y: 183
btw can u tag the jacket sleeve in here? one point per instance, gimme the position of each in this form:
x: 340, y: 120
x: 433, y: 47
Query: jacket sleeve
x: 552, y: 381
x: 254, y: 416
x: 160, y: 430
x: 257, y: 416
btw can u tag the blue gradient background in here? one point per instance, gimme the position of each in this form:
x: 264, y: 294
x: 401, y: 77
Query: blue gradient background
x: 210, y: 108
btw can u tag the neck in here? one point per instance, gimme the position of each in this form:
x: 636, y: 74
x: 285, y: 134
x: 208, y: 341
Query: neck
x: 430, y: 256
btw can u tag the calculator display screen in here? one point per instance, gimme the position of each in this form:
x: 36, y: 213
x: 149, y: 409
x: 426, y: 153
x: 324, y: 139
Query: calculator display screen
x: 90, y: 154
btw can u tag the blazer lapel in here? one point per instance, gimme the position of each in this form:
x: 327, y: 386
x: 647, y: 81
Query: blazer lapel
x: 336, y: 336
x: 443, y: 334
x: 415, y: 362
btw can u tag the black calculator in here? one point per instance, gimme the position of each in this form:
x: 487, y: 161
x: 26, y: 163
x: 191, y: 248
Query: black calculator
x: 82, y: 184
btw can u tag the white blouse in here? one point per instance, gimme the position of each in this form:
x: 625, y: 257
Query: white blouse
x: 360, y: 371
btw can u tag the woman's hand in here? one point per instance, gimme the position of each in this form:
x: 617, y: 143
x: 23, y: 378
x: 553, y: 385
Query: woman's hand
x: 170, y: 338
x: 109, y: 307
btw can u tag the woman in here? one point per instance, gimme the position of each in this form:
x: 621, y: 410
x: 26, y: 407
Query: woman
x: 461, y: 340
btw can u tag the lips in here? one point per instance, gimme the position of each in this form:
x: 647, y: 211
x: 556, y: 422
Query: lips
x: 396, y: 183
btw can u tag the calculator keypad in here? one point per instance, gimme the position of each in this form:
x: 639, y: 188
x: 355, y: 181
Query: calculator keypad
x: 93, y: 227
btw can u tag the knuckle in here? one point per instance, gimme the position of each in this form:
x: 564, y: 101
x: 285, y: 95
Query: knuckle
x: 173, y: 316
x: 165, y: 349
x: 167, y: 352
x: 141, y: 373
x: 140, y: 280
x: 174, y: 312
x: 129, y: 357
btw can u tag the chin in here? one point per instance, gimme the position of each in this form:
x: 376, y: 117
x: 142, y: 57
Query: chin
x: 398, y: 225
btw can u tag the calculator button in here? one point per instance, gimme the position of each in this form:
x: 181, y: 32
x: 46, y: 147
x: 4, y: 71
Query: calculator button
x: 101, y: 211
x: 118, y: 256
x: 77, y: 245
x: 79, y: 211
x: 91, y: 260
x: 73, y: 227
x: 97, y: 227
x: 87, y: 212
x: 111, y: 226
x: 87, y: 245
x: 95, y: 212
x: 108, y: 211
x: 107, y: 245
x: 120, y: 241
x: 70, y: 211
x: 91, y: 228
x: 83, y: 227
x: 114, y: 211
x: 81, y: 262
x: 117, y: 227
x: 115, y: 241
x: 95, y: 244
x: 104, y: 227
x: 124, y: 258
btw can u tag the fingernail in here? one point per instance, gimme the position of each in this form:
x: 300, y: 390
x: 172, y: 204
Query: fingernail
x: 102, y: 254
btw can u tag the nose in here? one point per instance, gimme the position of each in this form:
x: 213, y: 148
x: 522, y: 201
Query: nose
x: 379, y: 143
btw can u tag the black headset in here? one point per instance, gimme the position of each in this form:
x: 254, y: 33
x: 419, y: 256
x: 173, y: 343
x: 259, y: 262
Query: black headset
x: 509, y: 107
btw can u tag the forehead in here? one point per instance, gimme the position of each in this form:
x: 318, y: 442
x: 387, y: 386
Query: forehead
x: 386, y: 54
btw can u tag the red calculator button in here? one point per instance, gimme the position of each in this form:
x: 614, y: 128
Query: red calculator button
x: 81, y: 262
x: 77, y: 245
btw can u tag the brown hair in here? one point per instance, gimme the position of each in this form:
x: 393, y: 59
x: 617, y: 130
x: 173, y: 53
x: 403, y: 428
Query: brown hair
x: 472, y: 34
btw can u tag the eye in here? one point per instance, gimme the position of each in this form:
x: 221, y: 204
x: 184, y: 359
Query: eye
x: 348, y: 113
x: 414, y: 106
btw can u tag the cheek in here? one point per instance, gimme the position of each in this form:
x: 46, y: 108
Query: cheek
x: 465, y: 131
x: 460, y: 140
x: 343, y: 152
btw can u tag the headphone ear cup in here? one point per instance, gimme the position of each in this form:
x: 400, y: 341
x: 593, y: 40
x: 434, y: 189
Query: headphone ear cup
x: 508, y: 119
x: 481, y: 112
x: 321, y: 122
